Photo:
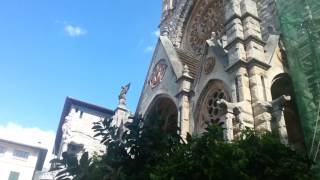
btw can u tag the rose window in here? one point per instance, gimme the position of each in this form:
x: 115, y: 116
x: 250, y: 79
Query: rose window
x: 207, y: 18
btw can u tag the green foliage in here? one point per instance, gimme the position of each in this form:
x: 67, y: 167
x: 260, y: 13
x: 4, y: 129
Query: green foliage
x: 71, y: 168
x: 133, y: 153
x: 252, y: 156
x: 146, y: 150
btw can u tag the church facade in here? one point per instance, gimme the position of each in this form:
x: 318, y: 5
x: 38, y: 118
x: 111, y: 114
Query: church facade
x: 221, y: 61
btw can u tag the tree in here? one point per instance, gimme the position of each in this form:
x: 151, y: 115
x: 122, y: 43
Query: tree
x: 143, y: 149
x: 69, y: 167
x: 252, y: 156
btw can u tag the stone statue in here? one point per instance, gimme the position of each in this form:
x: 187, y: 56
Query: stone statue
x: 122, y: 95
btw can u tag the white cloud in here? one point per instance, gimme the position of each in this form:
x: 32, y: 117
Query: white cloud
x: 156, y: 33
x: 151, y: 43
x: 74, y: 31
x: 30, y: 136
x: 149, y: 49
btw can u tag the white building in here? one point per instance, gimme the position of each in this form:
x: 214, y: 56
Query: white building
x: 75, y: 133
x: 20, y: 161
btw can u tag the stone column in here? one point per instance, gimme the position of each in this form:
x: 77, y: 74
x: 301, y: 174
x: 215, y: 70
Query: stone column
x: 256, y: 64
x: 242, y: 93
x: 228, y: 125
x: 184, y: 102
x: 242, y: 85
x: 237, y: 58
x: 234, y: 32
x: 252, y: 31
x: 254, y: 48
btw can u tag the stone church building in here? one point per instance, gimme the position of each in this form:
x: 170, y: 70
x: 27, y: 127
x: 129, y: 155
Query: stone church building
x: 221, y: 61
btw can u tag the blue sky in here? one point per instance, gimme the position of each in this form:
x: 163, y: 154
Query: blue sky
x: 82, y: 49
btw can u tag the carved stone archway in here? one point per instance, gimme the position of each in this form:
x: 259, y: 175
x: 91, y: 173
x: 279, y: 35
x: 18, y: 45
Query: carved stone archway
x: 207, y: 16
x: 164, y: 108
x: 208, y: 109
x: 282, y: 85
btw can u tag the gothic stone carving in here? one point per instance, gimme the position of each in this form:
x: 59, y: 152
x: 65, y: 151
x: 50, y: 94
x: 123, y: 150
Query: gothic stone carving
x: 123, y: 93
x: 207, y: 18
x: 158, y: 73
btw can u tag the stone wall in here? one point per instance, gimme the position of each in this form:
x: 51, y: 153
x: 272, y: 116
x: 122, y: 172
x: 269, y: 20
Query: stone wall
x: 77, y: 129
x: 269, y: 17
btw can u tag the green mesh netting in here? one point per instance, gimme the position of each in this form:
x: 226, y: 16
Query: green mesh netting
x: 300, y: 27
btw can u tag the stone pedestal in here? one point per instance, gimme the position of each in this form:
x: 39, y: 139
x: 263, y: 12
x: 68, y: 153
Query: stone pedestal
x: 121, y: 116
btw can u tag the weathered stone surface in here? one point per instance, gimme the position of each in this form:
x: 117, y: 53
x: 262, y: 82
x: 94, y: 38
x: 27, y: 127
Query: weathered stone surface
x: 269, y: 17
x: 251, y: 27
x: 246, y: 62
x: 249, y: 7
x: 234, y: 30
x: 232, y: 9
x: 255, y: 51
x: 236, y: 53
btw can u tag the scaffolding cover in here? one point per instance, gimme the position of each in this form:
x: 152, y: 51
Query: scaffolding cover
x: 300, y: 30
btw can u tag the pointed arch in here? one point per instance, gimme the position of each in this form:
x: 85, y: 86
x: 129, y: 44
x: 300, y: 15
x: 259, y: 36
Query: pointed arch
x: 163, y: 107
x: 207, y: 109
x: 282, y: 85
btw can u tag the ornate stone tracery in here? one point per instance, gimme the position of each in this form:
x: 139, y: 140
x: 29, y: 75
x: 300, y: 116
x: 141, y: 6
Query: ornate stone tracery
x: 209, y: 109
x: 206, y: 18
x: 158, y: 73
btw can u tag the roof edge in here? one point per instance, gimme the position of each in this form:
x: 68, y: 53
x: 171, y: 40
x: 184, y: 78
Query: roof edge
x: 173, y: 56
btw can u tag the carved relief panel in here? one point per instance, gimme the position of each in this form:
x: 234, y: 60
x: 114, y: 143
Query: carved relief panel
x: 158, y: 73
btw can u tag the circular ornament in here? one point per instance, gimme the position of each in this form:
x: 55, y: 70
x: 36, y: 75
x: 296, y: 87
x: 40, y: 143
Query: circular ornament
x: 158, y: 73
x: 209, y: 65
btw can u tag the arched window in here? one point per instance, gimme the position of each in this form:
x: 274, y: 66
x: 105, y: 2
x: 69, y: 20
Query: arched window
x: 163, y: 108
x: 208, y: 109
x: 282, y: 85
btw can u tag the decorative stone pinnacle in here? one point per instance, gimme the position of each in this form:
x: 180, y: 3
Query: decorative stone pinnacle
x: 213, y: 36
x: 165, y: 31
x: 186, y: 70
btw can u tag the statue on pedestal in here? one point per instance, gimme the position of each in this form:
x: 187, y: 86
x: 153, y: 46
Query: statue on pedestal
x: 123, y: 93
